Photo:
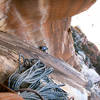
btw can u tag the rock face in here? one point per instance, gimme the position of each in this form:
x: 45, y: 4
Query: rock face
x: 88, y: 54
x: 10, y: 96
x: 14, y: 46
x: 60, y: 42
x: 92, y: 53
x: 43, y: 22
x: 66, y: 74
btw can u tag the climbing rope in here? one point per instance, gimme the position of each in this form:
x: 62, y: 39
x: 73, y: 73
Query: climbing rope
x: 32, y: 82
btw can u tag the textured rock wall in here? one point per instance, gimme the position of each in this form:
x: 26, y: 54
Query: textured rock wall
x: 10, y: 96
x: 81, y: 43
x: 43, y: 22
x: 60, y: 41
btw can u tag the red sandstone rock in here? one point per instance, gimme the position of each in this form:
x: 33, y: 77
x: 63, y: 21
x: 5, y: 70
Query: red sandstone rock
x: 43, y: 22
x: 10, y: 96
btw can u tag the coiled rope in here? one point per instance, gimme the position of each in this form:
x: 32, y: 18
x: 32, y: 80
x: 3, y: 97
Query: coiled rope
x: 32, y: 82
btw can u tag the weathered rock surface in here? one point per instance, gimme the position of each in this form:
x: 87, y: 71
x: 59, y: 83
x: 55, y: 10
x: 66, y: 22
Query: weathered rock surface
x: 63, y: 72
x: 40, y: 22
x: 87, y: 53
x: 92, y: 53
x: 43, y: 22
x: 15, y: 46
x: 10, y: 96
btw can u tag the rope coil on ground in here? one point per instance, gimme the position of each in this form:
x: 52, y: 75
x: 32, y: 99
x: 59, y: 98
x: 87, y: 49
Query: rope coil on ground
x: 31, y: 79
